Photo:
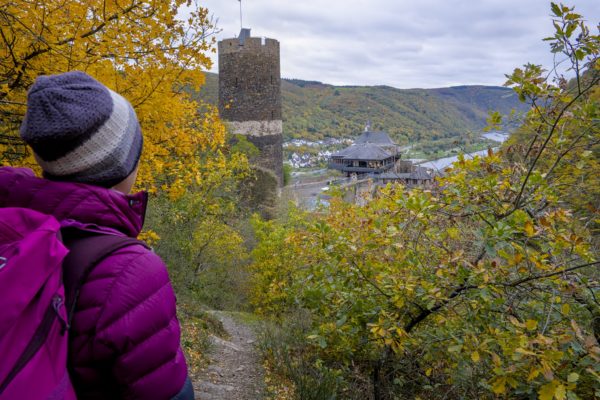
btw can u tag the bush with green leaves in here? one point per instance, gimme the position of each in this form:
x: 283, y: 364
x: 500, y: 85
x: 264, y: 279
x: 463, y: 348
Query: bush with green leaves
x: 485, y: 287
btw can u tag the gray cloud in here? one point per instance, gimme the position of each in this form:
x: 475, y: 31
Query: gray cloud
x: 401, y: 43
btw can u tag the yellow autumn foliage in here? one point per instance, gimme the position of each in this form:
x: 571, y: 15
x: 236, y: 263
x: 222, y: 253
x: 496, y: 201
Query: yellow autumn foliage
x: 142, y: 50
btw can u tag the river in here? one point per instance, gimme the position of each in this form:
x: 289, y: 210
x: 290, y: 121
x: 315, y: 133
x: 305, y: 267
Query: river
x: 442, y: 163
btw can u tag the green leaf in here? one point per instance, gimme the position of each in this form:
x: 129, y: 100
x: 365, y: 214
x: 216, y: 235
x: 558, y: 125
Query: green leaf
x: 553, y: 390
x: 529, y: 229
x: 531, y: 324
x: 556, y: 9
x: 322, y: 342
x: 572, y: 16
x: 499, y: 385
x: 560, y: 393
x: 558, y: 28
x: 455, y: 348
x: 546, y: 392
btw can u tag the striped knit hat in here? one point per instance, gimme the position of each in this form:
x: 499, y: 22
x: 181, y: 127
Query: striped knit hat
x: 80, y: 130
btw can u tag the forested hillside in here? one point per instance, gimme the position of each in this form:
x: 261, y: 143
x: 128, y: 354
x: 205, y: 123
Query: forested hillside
x: 314, y: 110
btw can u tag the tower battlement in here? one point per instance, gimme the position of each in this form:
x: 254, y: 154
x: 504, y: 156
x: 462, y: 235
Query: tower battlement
x: 255, y: 44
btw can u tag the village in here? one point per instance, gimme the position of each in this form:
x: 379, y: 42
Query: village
x: 368, y: 162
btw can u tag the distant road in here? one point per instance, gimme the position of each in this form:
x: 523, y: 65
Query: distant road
x: 300, y: 185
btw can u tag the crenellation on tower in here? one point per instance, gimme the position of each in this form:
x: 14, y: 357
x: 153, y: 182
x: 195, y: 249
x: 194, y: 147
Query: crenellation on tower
x: 250, y: 95
x: 266, y: 45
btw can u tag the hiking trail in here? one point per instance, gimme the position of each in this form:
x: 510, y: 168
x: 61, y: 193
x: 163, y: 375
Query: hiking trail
x: 235, y: 371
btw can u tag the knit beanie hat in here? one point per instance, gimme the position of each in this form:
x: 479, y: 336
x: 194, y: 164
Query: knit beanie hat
x: 80, y: 130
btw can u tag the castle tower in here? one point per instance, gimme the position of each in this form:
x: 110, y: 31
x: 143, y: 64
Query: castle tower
x: 250, y: 95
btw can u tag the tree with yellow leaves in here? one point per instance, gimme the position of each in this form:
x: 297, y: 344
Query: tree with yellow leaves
x: 139, y: 48
x: 146, y: 51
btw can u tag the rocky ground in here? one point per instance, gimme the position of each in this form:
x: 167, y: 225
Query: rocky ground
x: 235, y: 371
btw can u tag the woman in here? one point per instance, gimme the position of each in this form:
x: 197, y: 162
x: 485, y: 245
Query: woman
x: 124, y: 341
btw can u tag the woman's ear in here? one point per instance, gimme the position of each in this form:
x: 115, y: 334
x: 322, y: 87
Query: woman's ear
x: 126, y: 184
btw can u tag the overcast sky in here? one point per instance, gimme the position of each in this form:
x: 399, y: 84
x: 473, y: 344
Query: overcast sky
x: 401, y: 43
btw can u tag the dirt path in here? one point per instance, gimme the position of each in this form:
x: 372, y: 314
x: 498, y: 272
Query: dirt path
x: 235, y: 371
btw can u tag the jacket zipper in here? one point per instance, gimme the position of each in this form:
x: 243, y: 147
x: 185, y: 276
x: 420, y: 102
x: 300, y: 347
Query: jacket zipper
x: 57, y: 303
x: 35, y: 343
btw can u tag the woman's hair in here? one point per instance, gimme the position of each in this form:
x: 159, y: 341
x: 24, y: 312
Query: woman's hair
x: 80, y: 130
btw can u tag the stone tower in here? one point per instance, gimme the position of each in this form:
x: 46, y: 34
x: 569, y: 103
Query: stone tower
x: 250, y: 95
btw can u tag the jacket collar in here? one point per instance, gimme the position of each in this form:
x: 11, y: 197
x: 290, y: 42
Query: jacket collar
x: 85, y: 204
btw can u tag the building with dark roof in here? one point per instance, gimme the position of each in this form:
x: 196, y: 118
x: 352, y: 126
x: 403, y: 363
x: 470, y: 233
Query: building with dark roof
x: 380, y: 138
x: 371, y: 153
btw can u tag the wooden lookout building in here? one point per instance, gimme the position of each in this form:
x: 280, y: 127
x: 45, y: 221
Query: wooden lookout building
x: 371, y: 153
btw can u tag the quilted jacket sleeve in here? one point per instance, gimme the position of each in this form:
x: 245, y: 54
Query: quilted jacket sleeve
x: 138, y: 324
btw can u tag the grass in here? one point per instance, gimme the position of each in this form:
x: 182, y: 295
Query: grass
x: 246, y: 318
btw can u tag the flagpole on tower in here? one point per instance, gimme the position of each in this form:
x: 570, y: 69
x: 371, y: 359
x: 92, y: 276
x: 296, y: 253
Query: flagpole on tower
x: 241, y: 20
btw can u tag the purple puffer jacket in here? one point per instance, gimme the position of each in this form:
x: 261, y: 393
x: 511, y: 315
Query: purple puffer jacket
x: 124, y: 340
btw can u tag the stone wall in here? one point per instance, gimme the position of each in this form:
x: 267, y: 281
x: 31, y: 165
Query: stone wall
x: 271, y: 153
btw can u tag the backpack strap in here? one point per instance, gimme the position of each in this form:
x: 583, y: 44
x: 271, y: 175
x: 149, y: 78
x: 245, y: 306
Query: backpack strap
x: 86, y: 250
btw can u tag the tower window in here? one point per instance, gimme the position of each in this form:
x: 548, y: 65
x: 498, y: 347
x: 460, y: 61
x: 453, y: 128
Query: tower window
x: 271, y: 79
x: 236, y: 82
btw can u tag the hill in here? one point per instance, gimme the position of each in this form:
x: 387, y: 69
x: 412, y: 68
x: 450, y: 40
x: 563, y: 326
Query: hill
x: 314, y: 110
